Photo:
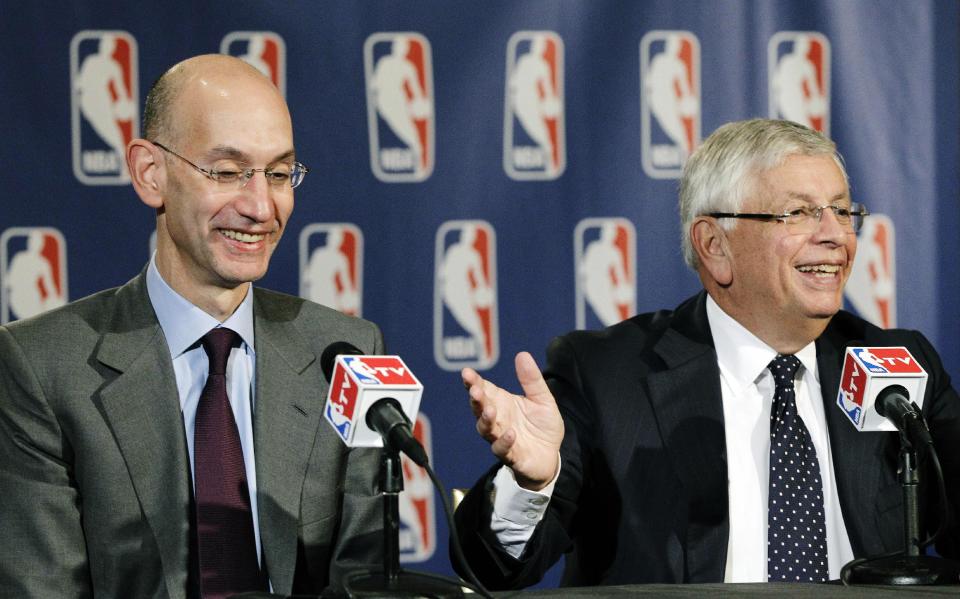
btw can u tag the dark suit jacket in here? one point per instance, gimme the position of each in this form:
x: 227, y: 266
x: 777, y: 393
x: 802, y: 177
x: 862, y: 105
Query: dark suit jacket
x: 94, y: 475
x: 642, y: 497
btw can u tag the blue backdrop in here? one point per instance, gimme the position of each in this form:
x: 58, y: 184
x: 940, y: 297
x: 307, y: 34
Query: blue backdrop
x: 486, y: 175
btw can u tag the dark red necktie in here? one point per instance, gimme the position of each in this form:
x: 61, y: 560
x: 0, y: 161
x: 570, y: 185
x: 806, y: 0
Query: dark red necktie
x: 226, y: 544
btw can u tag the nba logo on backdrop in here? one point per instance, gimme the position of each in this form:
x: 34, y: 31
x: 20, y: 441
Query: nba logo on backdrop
x: 872, y: 287
x: 605, y: 262
x: 669, y: 101
x: 399, y: 74
x: 331, y: 266
x: 33, y: 272
x: 104, y: 104
x: 465, y: 296
x: 534, y: 144
x: 799, y: 77
x: 263, y: 50
x: 418, y: 528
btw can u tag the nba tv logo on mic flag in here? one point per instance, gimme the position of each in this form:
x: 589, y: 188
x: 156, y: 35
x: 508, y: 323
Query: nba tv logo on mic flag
x: 360, y: 381
x: 869, y: 370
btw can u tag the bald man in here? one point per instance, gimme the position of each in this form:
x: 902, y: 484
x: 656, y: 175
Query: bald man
x: 164, y: 438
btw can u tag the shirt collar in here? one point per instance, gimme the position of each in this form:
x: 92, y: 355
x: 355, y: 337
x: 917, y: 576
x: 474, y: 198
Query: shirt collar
x: 183, y: 323
x: 741, y: 355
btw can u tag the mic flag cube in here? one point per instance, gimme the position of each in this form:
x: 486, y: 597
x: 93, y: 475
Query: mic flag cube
x: 869, y: 370
x: 358, y: 382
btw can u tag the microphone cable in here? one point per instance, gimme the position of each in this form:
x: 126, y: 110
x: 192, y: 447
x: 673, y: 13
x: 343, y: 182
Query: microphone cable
x: 474, y: 583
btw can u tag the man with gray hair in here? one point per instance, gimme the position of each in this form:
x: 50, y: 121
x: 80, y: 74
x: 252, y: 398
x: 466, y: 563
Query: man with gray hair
x: 701, y: 444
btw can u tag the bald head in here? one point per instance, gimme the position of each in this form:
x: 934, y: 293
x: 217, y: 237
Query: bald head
x: 159, y: 120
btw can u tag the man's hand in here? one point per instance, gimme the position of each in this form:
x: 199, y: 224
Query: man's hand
x: 524, y: 432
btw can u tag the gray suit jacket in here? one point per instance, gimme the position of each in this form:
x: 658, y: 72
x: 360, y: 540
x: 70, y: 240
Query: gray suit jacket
x: 94, y: 475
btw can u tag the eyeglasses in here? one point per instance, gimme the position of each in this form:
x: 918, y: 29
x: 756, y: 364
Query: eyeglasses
x: 277, y: 177
x: 807, y: 219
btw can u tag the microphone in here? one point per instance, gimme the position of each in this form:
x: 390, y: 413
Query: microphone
x: 894, y: 404
x: 372, y: 399
x: 875, y: 390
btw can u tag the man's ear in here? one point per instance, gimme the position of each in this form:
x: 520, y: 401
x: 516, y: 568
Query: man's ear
x: 147, y: 172
x: 710, y: 242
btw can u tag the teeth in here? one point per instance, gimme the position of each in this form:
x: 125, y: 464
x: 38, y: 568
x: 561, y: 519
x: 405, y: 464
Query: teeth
x: 820, y: 268
x: 244, y: 237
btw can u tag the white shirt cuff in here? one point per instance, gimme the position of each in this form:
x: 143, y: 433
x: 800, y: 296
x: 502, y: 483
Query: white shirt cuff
x: 517, y: 511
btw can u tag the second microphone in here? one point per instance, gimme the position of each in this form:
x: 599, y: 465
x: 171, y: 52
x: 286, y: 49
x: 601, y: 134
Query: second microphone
x: 372, y: 400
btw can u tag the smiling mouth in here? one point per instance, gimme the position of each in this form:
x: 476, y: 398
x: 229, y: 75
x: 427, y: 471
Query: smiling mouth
x: 820, y: 270
x: 243, y: 237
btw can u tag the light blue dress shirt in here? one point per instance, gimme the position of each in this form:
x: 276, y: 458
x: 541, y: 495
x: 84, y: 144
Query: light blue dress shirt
x: 183, y: 325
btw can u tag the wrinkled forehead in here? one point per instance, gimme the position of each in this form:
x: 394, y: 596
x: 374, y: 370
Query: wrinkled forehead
x: 815, y: 179
x: 761, y: 162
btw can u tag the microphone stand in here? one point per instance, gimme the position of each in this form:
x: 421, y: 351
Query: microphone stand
x: 911, y: 568
x: 393, y: 581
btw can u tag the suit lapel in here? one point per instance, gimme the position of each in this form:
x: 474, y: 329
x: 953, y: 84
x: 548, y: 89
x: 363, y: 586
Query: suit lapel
x: 287, y: 413
x: 143, y: 411
x: 687, y: 402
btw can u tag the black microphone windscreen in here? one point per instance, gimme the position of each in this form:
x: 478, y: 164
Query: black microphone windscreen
x: 887, y: 404
x: 329, y: 356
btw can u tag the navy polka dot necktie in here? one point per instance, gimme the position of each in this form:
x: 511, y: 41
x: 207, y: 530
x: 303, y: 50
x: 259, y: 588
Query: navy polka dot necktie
x: 796, y: 533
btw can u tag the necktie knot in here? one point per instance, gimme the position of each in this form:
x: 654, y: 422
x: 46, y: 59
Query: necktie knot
x: 217, y: 343
x: 784, y: 368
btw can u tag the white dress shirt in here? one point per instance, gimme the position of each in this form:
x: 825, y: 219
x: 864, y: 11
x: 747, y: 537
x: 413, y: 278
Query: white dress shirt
x: 747, y: 393
x: 747, y: 388
x: 183, y: 325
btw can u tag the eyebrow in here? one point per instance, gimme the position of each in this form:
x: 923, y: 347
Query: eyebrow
x: 794, y: 195
x: 229, y: 152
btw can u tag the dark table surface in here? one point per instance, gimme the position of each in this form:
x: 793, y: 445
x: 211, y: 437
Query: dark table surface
x: 776, y: 589
x: 740, y: 590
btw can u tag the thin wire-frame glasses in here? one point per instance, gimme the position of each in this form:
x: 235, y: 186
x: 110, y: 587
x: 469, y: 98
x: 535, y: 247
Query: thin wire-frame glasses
x: 807, y: 218
x: 277, y: 177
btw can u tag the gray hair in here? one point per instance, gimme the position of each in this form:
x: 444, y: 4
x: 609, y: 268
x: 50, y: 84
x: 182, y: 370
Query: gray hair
x: 719, y: 175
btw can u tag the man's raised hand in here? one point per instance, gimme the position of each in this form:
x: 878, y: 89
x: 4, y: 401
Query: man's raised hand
x: 524, y: 431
